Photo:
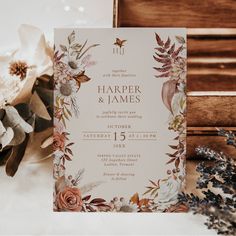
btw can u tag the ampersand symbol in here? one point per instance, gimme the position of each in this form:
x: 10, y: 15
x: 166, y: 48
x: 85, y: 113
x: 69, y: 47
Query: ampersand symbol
x: 100, y: 100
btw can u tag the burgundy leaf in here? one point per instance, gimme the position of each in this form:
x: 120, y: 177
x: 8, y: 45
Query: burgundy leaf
x: 160, y: 50
x: 167, y: 43
x: 159, y: 41
x: 101, y: 205
x: 176, y: 53
x: 171, y: 49
x: 162, y: 60
x: 170, y: 155
x: 173, y: 147
x: 86, y: 198
x: 62, y: 166
x: 97, y: 200
x: 165, y: 69
x: 167, y: 64
x: 70, y: 144
x: 69, y: 151
x: 90, y: 208
x: 171, y: 160
x: 162, y: 55
x: 177, y: 161
x: 163, y: 75
x: 67, y: 157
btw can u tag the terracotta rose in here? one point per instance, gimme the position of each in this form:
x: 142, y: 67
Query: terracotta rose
x: 69, y: 200
x: 58, y: 141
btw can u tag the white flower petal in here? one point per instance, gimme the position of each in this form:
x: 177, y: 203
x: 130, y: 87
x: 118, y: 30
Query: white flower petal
x: 6, y: 138
x: 34, y: 49
x: 4, y: 65
x: 36, y: 53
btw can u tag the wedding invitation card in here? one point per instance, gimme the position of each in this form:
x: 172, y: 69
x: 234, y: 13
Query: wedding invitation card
x: 119, y: 119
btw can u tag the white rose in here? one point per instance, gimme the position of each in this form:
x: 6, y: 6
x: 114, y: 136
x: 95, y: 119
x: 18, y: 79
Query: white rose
x: 168, y: 192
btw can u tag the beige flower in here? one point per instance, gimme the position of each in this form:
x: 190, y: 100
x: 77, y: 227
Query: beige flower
x: 178, y: 70
x: 176, y: 123
x: 19, y: 70
x: 69, y: 200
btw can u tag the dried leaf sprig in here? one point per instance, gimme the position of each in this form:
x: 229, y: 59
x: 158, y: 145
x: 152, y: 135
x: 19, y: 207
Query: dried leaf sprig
x: 230, y: 137
x: 218, y: 183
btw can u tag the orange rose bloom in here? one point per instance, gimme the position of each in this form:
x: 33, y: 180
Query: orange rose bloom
x: 59, y: 141
x: 69, y: 200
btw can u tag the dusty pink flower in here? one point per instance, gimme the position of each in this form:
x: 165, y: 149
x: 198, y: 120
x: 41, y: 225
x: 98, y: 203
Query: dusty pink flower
x: 59, y: 141
x: 69, y: 200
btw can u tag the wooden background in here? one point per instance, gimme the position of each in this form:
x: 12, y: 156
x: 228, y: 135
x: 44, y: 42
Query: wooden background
x: 211, y: 79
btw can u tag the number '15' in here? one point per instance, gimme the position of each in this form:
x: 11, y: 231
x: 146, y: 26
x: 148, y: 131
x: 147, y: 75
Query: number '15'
x: 119, y: 136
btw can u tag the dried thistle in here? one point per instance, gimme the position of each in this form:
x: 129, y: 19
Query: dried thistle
x: 219, y: 202
x: 18, y: 68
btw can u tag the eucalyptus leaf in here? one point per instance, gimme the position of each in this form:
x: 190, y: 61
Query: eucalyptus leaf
x: 16, y: 157
x: 2, y: 128
x: 4, y: 155
x: 12, y: 119
x: 23, y: 110
x: 47, y: 142
x: 47, y: 97
x: 19, y: 136
x: 2, y: 113
x: 42, y: 124
x: 44, y: 81
x: 38, y: 107
x: 6, y: 138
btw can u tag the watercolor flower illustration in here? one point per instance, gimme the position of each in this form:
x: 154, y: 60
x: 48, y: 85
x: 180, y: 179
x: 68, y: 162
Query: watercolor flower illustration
x: 69, y: 200
x: 172, y: 68
x: 168, y: 193
x: 71, y: 64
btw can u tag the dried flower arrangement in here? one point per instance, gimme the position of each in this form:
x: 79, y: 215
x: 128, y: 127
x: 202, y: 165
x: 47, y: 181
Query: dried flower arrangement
x: 217, y: 182
x: 26, y: 97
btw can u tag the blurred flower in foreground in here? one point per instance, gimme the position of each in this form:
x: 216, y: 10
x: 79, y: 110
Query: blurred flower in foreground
x: 25, y: 95
x: 19, y: 70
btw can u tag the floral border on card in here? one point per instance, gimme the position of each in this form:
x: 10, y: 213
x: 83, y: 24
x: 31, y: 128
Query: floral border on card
x: 71, y: 65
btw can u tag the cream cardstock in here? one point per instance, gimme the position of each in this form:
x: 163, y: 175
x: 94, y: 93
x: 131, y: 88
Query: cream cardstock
x: 119, y: 117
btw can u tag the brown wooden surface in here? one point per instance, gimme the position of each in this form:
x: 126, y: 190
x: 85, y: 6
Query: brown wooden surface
x: 181, y: 13
x: 213, y: 111
x: 205, y: 74
x: 211, y: 82
x: 211, y: 52
x: 216, y: 143
x: 212, y: 46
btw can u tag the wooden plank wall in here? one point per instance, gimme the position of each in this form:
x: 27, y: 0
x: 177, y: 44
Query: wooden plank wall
x: 211, y: 60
